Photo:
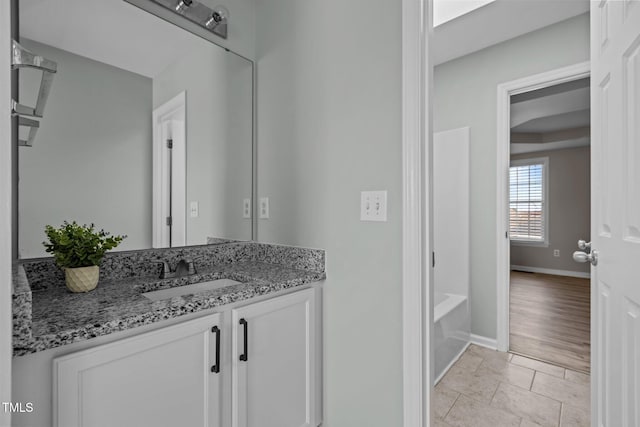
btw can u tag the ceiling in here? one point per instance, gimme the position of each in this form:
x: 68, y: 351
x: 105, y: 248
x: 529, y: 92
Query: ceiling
x: 550, y: 146
x: 551, y: 90
x: 555, y: 123
x: 557, y: 104
x: 499, y: 21
x: 70, y: 25
x: 551, y: 118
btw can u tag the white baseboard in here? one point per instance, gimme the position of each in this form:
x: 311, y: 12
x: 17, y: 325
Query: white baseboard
x: 484, y: 341
x: 551, y: 271
x: 454, y: 360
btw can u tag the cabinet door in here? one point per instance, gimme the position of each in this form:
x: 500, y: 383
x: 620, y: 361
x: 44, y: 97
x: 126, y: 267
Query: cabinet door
x: 275, y: 371
x: 159, y: 378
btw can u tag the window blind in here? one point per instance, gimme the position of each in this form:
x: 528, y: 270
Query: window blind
x: 526, y: 202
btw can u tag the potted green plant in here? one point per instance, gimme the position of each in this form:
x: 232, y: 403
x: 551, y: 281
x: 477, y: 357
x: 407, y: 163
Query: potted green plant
x: 78, y: 250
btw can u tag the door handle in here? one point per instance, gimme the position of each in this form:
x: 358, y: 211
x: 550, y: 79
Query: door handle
x: 579, y: 256
x: 584, y: 245
x: 216, y: 368
x: 244, y: 356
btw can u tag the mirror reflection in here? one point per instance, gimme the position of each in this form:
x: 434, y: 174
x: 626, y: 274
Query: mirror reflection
x: 147, y: 130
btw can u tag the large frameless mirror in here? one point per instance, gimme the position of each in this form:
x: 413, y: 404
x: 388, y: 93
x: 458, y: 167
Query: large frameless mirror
x: 147, y: 130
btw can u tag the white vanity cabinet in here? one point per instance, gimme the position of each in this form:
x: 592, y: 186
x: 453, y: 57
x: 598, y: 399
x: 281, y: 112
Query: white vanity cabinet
x: 159, y: 378
x: 190, y: 374
x: 275, y: 362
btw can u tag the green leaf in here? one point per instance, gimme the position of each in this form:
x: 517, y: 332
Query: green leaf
x: 74, y: 245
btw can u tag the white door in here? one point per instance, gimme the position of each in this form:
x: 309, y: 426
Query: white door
x: 275, y: 381
x: 164, y: 378
x: 615, y: 118
x: 169, y: 222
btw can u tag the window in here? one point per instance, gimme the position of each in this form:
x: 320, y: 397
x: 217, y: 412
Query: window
x: 527, y: 201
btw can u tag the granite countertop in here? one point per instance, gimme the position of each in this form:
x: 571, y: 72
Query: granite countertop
x: 53, y: 316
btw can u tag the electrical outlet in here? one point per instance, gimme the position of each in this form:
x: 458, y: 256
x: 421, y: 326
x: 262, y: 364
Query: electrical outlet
x: 194, y: 209
x: 246, y: 208
x: 264, y: 208
x: 556, y: 253
x: 373, y: 206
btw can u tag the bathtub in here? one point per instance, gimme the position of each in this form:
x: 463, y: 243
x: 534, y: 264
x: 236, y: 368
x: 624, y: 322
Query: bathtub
x: 451, y: 241
x: 451, y: 330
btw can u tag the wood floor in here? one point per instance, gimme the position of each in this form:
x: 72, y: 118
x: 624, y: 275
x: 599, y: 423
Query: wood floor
x: 550, y: 319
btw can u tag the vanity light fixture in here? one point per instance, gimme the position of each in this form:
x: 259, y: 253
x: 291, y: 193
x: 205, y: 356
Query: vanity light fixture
x: 183, y: 5
x: 213, y: 20
x: 218, y: 17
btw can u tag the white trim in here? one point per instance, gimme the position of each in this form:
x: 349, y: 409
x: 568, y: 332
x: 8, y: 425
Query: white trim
x: 6, y: 173
x: 545, y: 200
x: 567, y: 273
x: 417, y: 355
x: 169, y: 117
x: 455, y: 359
x: 504, y: 92
x: 540, y: 244
x: 489, y: 343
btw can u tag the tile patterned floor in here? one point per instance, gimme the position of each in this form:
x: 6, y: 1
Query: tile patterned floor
x: 494, y: 389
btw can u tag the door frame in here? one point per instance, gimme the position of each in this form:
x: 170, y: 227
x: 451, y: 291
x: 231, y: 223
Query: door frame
x: 417, y: 146
x: 505, y: 91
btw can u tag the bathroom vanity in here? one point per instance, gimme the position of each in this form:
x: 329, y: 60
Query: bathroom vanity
x: 244, y: 353
x: 175, y: 375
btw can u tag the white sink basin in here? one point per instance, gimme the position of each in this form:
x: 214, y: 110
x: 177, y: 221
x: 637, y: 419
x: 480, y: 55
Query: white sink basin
x: 188, y: 289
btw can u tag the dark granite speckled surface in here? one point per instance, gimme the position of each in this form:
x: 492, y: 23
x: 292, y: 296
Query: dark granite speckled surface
x: 47, y: 315
x: 22, y: 303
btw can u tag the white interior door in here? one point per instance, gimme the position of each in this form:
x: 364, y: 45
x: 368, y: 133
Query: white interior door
x: 170, y: 174
x: 615, y: 328
x: 178, y: 174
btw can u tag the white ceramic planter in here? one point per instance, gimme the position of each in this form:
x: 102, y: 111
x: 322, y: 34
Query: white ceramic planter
x: 82, y: 279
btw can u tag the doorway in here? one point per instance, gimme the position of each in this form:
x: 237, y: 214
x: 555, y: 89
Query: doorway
x: 549, y: 212
x: 544, y: 209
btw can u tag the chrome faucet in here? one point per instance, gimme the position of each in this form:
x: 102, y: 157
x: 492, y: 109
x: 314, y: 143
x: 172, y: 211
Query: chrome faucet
x: 185, y: 267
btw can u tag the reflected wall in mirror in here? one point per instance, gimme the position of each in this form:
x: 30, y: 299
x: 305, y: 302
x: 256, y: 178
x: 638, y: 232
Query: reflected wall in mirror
x: 127, y: 85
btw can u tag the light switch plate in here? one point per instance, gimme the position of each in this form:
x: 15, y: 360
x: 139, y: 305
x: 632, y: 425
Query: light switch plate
x: 246, y: 208
x: 373, y: 206
x: 264, y: 208
x: 194, y: 209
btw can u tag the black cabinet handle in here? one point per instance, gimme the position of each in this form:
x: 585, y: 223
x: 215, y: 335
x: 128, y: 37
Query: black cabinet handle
x: 244, y: 356
x: 216, y: 368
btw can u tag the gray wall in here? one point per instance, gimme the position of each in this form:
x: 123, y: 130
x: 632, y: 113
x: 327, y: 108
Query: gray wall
x: 91, y: 160
x: 569, y: 205
x: 465, y: 95
x: 218, y: 87
x: 329, y: 126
